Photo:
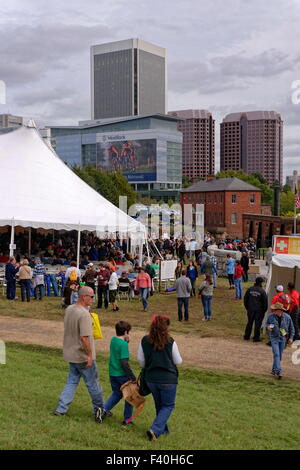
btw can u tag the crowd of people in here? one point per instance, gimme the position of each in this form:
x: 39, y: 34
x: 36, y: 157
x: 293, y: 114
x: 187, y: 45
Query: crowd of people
x: 107, y: 266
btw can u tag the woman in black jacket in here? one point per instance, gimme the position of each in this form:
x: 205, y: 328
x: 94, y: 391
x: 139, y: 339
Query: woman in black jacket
x: 158, y: 354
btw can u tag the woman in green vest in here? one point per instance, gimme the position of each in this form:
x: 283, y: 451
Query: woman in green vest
x: 158, y: 353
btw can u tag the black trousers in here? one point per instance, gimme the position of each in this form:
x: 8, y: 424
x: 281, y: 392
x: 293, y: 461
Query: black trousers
x: 256, y: 317
x: 103, y: 292
x: 230, y: 279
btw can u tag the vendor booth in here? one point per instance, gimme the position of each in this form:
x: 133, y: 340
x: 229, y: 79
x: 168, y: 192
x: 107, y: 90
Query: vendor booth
x: 285, y: 266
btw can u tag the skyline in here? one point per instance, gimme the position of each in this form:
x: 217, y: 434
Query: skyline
x: 237, y: 57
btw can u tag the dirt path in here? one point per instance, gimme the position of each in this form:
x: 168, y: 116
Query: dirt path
x: 208, y: 353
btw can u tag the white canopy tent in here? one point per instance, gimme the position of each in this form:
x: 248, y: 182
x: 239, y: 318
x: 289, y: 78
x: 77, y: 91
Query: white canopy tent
x: 38, y: 190
x: 283, y: 269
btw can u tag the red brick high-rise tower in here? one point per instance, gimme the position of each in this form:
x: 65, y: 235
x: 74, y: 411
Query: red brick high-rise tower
x: 198, y: 145
x: 252, y: 141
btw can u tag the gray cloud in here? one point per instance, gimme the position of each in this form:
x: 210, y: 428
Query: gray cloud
x: 232, y: 72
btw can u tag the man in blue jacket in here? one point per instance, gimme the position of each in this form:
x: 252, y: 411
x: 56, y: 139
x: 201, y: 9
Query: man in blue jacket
x: 281, y: 329
x: 11, y: 270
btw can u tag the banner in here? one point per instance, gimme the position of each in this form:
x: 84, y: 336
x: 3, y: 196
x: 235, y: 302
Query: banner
x: 284, y: 245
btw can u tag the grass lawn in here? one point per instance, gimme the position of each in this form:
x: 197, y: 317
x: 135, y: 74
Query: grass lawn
x: 213, y: 410
x: 229, y: 315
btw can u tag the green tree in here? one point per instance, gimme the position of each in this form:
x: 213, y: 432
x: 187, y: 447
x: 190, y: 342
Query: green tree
x: 109, y: 185
x: 287, y: 200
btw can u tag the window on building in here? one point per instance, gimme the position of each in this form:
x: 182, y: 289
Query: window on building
x: 221, y: 218
x: 233, y: 198
x: 234, y: 218
x: 252, y: 198
x: 221, y: 198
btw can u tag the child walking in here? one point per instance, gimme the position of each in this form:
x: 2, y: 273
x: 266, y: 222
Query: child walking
x: 119, y: 370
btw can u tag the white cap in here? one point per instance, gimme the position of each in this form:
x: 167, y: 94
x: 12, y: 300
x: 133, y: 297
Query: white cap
x: 90, y: 264
x: 279, y: 288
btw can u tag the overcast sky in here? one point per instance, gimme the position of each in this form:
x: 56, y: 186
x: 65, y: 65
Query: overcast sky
x: 224, y: 56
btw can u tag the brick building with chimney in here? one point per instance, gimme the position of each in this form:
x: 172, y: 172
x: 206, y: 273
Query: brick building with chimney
x: 225, y: 201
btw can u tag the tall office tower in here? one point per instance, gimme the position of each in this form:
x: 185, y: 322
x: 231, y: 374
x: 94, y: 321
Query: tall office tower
x: 128, y: 78
x: 198, y: 145
x: 8, y: 120
x: 252, y: 141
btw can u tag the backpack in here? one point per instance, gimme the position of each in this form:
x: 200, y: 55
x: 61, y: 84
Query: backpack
x: 73, y: 275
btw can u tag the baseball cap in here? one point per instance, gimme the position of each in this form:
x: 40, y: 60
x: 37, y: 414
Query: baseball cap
x: 90, y: 265
x: 259, y: 280
x: 279, y: 288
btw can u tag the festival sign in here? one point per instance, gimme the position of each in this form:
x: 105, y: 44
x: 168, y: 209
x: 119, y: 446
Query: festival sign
x: 286, y: 245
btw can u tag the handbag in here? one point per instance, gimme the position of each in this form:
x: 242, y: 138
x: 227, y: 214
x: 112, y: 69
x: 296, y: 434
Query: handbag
x: 142, y: 384
x: 97, y: 332
x: 131, y: 394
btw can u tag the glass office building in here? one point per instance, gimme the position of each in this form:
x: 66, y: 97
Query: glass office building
x: 147, y: 150
x: 128, y: 78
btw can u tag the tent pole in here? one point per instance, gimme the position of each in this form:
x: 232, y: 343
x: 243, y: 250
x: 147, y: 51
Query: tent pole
x: 78, y: 246
x: 147, y: 246
x: 12, y: 237
x: 29, y: 242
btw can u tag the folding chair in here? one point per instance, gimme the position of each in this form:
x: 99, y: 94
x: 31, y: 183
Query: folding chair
x: 124, y: 291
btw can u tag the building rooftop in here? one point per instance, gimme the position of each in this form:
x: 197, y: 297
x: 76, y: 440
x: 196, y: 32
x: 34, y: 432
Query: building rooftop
x: 103, y: 122
x: 191, y: 113
x: 220, y: 184
x: 252, y: 116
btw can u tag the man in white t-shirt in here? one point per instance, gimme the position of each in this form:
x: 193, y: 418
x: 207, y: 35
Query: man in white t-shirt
x: 79, y: 351
x: 113, y: 288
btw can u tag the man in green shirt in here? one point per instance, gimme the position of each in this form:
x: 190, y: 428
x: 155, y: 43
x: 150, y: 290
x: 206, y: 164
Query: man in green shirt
x: 119, y: 370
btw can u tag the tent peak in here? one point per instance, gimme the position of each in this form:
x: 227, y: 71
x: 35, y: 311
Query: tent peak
x: 31, y: 123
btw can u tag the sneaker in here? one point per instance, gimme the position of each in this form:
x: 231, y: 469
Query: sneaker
x: 58, y: 413
x: 127, y: 424
x: 258, y: 340
x: 278, y: 375
x: 107, y: 414
x: 273, y: 372
x: 204, y: 319
x: 245, y: 338
x: 99, y: 415
x: 151, y: 435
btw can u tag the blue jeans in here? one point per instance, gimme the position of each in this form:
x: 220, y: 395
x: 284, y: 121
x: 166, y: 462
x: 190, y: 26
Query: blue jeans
x: 215, y: 279
x: 238, y: 288
x: 206, y: 302
x: 10, y: 290
x: 91, y: 380
x: 144, y: 293
x: 183, y: 301
x: 116, y: 396
x: 278, y: 345
x: 164, y: 396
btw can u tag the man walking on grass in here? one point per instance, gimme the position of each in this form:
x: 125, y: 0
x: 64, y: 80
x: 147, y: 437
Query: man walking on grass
x: 79, y: 351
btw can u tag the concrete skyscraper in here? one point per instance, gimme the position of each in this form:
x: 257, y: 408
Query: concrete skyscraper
x: 252, y: 141
x: 128, y: 78
x: 198, y: 145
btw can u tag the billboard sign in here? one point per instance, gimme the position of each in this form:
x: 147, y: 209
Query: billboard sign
x: 135, y: 159
x: 286, y: 245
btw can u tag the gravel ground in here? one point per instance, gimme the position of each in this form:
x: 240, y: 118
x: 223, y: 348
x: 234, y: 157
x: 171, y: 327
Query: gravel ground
x: 208, y: 353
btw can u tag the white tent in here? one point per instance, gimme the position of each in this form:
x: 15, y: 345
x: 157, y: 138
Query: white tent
x: 284, y: 269
x: 38, y: 190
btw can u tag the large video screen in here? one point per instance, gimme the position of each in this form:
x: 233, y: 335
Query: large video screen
x: 136, y: 159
